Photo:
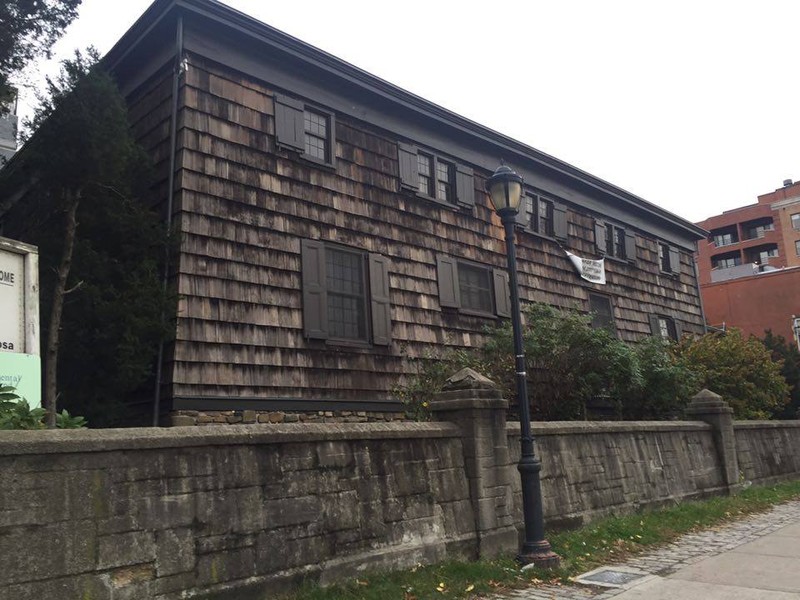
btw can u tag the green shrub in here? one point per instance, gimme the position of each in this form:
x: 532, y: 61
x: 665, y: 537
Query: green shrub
x: 739, y: 369
x: 16, y: 413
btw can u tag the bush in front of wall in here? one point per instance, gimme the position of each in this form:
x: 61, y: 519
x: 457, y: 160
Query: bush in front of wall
x: 16, y: 413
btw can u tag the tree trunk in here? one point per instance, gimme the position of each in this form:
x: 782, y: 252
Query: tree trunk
x: 51, y: 351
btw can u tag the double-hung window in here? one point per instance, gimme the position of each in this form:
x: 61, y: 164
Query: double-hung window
x: 543, y: 216
x: 669, y: 259
x: 317, y: 135
x: 425, y: 169
x: 601, y: 312
x: 435, y: 178
x: 307, y: 130
x: 665, y: 327
x: 614, y: 241
x: 345, y: 294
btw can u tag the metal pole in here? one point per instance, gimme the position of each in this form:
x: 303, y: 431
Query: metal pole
x: 535, y: 548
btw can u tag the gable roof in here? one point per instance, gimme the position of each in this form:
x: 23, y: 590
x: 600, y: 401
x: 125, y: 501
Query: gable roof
x: 159, y: 20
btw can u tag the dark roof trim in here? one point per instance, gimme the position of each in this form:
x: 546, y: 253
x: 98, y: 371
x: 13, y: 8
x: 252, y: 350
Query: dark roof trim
x: 268, y: 35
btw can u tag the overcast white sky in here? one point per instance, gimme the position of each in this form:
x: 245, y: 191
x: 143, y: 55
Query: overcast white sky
x: 692, y: 105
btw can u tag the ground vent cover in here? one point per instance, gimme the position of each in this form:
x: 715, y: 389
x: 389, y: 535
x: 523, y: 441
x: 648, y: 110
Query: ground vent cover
x: 613, y: 577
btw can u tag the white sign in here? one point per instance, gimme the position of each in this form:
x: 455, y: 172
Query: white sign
x: 12, y: 302
x: 589, y: 269
x: 20, y: 365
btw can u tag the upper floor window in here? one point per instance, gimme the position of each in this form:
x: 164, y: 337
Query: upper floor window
x: 317, y: 138
x: 472, y: 288
x: 345, y: 294
x: 444, y: 181
x: 796, y: 221
x: 434, y: 177
x: 669, y: 258
x: 612, y: 240
x: 797, y: 247
x: 425, y: 167
x: 543, y: 216
x: 307, y: 130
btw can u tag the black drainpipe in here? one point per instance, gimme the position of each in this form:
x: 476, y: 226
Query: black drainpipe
x: 177, y: 71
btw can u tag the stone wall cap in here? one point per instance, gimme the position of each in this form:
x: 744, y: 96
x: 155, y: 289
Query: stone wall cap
x: 707, y: 402
x: 444, y: 404
x: 57, y: 441
x: 766, y: 424
x: 542, y: 428
x: 467, y: 379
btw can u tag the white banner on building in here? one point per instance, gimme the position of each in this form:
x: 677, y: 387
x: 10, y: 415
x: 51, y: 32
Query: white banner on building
x: 590, y: 269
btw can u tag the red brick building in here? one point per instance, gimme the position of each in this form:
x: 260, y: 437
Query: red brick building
x: 749, y: 266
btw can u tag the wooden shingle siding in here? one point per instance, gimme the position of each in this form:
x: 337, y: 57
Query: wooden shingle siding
x: 246, y: 205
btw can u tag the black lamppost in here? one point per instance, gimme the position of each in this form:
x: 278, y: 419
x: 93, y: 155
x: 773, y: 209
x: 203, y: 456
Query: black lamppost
x: 505, y: 189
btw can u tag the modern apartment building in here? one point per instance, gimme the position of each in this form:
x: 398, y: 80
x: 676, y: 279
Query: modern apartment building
x: 747, y: 267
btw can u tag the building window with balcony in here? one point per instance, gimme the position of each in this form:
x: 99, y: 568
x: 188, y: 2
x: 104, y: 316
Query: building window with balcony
x: 761, y: 254
x: 757, y: 229
x: 726, y: 261
x: 724, y: 237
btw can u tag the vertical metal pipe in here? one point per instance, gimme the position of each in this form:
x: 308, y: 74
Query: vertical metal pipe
x: 177, y: 71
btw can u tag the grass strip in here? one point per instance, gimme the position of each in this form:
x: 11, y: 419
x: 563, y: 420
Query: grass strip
x: 605, y: 541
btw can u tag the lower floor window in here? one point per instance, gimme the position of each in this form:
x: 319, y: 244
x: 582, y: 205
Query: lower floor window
x: 475, y: 284
x: 472, y: 287
x: 345, y: 294
x: 665, y: 327
x: 347, y: 304
x: 601, y: 311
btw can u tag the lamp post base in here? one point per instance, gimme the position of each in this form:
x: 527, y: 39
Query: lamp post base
x: 538, y: 554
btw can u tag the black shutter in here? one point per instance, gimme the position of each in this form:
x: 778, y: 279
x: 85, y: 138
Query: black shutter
x: 600, y: 237
x: 409, y: 167
x: 502, y: 293
x: 380, y: 301
x: 447, y: 274
x: 315, y: 295
x: 630, y: 246
x: 674, y: 260
x: 465, y: 187
x: 655, y: 326
x: 525, y: 213
x: 560, y: 229
x: 678, y: 329
x: 289, y: 123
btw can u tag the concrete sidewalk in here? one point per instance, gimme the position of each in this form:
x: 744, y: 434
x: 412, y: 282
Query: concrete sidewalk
x: 752, y: 559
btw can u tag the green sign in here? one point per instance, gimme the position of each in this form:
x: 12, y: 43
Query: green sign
x: 24, y: 372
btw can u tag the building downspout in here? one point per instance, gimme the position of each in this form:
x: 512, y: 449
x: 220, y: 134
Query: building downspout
x: 177, y: 71
x: 699, y: 294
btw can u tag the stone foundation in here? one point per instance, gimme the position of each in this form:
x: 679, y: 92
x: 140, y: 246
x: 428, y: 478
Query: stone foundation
x: 188, y: 418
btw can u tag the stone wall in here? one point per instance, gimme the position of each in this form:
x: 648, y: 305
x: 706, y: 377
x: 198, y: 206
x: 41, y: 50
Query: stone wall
x: 768, y: 451
x: 227, y: 511
x: 241, y: 511
x: 591, y: 469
